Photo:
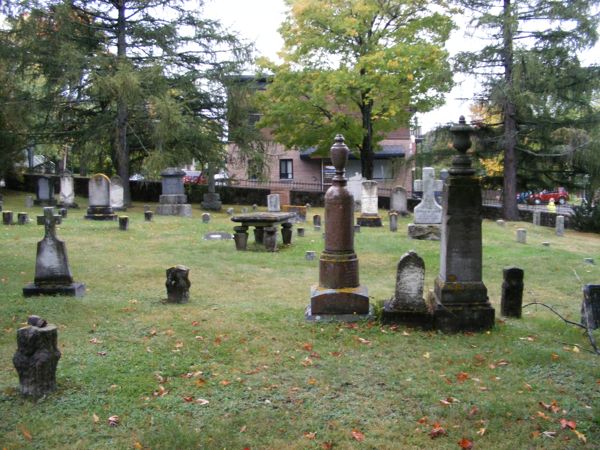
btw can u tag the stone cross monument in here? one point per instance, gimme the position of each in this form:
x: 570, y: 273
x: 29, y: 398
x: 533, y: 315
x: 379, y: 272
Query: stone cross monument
x: 461, y: 296
x: 339, y: 295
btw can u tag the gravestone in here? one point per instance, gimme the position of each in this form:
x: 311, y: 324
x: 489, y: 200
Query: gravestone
x: 398, y: 201
x: 205, y: 217
x: 146, y: 208
x: 461, y: 297
x: 537, y: 218
x: 500, y: 223
x: 218, y: 236
x: 273, y: 203
x: 357, y: 228
x: 393, y: 221
x: 116, y: 194
x: 211, y: 200
x: 300, y: 231
x: 428, y: 213
x: 521, y: 235
x: 36, y: 358
x: 99, y: 199
x: 241, y: 238
x: 178, y: 284
x: 254, y: 207
x: 230, y: 211
x: 355, y: 187
x: 63, y: 212
x: 286, y: 233
x: 369, y: 200
x: 512, y: 292
x: 310, y: 255
x: 244, y: 210
x: 67, y: 190
x: 7, y: 217
x: 29, y: 201
x: 123, y: 223
x: 52, y: 272
x: 173, y: 201
x: 44, y: 192
x: 316, y: 220
x: 269, y: 238
x: 590, y: 307
x: 560, y: 225
x: 22, y: 218
x: 148, y: 216
x: 339, y: 294
x: 408, y: 306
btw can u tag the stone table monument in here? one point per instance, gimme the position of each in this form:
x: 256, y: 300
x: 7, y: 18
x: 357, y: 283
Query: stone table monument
x: 369, y: 215
x: 99, y: 199
x: 37, y: 357
x: 52, y: 272
x: 173, y: 201
x: 461, y: 296
x: 428, y: 213
x: 339, y: 294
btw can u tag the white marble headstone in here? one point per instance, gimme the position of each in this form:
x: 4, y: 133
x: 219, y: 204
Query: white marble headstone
x: 429, y: 211
x: 398, y: 200
x: 355, y: 187
x: 369, y: 200
x: 67, y: 190
x: 273, y: 203
x: 116, y: 192
x: 99, y: 190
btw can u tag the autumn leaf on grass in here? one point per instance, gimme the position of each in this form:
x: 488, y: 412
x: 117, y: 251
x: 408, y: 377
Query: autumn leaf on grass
x: 159, y: 378
x: 448, y: 401
x: 423, y: 420
x: 310, y: 435
x: 550, y: 407
x: 188, y: 399
x: 543, y: 416
x: 113, y: 421
x: 200, y: 382
x: 95, y: 418
x: 465, y: 443
x: 363, y: 341
x: 481, y: 431
x: 474, y: 410
x: 358, y: 436
x: 307, y: 362
x: 437, y: 430
x: 564, y: 423
x: 307, y: 346
x: 25, y: 432
x: 160, y: 392
x: 327, y: 445
x: 462, y: 376
x: 195, y: 323
x: 580, y: 436
x: 225, y: 382
x: 201, y: 401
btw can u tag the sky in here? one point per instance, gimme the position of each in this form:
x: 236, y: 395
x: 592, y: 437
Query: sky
x: 258, y: 20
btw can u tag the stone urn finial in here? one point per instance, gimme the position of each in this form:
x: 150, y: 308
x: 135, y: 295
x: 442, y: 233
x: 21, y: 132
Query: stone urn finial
x: 461, y: 164
x: 339, y: 156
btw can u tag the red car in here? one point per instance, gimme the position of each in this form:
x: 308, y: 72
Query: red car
x: 560, y: 197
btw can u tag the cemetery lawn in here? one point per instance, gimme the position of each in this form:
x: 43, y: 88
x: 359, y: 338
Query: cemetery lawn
x: 238, y: 367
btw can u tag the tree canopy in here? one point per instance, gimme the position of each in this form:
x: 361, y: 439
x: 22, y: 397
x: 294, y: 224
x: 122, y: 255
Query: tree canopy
x: 357, y: 67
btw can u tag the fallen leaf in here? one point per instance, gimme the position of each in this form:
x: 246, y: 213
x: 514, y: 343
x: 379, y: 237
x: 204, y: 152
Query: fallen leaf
x: 225, y: 382
x: 202, y: 401
x: 437, y: 431
x: 405, y: 333
x: 312, y: 381
x: 310, y: 435
x: 101, y: 353
x: 564, y: 423
x: 364, y: 341
x: 95, y: 341
x: 549, y: 434
x: 137, y: 445
x: 543, y: 416
x: 307, y: 362
x: 462, y: 376
x: 95, y: 418
x: 195, y: 323
x: 179, y: 344
x: 528, y: 387
x: 474, y: 410
x: 580, y: 436
x: 426, y: 355
x: 113, y: 421
x: 358, y: 436
x: 307, y: 346
x: 161, y: 392
x: 200, y: 382
x: 25, y: 432
x: 243, y: 429
x: 575, y: 349
x: 188, y: 399
x: 550, y: 407
x: 423, y: 419
x: 481, y: 431
x: 555, y: 357
x: 465, y: 443
x: 327, y: 445
x: 160, y: 378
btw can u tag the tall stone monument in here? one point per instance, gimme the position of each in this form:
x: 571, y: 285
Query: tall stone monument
x: 369, y: 200
x: 461, y: 296
x: 99, y: 199
x: 428, y: 213
x: 339, y: 294
x: 173, y: 201
x: 52, y: 272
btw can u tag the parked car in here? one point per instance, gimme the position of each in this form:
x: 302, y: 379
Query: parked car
x: 560, y: 197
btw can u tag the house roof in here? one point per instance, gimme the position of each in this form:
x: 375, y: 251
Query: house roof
x: 387, y: 151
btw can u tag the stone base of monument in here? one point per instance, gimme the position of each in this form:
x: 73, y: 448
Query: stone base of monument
x: 68, y: 205
x: 100, y: 213
x: 426, y: 232
x: 67, y: 290
x: 345, y: 304
x: 174, y: 205
x: 211, y: 201
x: 422, y: 318
x: 46, y: 202
x: 367, y: 220
x: 462, y: 307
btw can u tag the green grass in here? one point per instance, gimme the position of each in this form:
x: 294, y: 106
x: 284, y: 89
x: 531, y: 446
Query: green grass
x: 269, y: 376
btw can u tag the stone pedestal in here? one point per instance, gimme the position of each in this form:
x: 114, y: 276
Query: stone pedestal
x: 339, y: 295
x: 270, y: 238
x: 211, y: 201
x: 393, y: 221
x: 461, y: 297
x: 427, y: 232
x: 173, y: 201
x: 241, y: 238
x: 286, y: 233
x: 36, y: 359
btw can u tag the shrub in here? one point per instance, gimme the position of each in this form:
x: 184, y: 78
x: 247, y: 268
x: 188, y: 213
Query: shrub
x: 586, y: 217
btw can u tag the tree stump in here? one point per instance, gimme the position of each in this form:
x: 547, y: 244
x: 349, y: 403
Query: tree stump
x: 36, y: 359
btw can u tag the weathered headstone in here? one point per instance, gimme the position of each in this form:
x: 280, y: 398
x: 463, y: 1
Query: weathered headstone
x: 590, y: 307
x: 254, y: 207
x: 146, y: 208
x: 354, y: 186
x: 428, y: 213
x: 52, y: 271
x: 286, y: 233
x: 148, y: 216
x: 369, y: 201
x: 44, y: 192
x: 357, y: 228
x: 36, y: 358
x: 178, y: 284
x: 29, y: 201
x: 512, y: 292
x: 393, y: 221
x: 205, y: 218
x: 116, y: 194
x: 300, y: 231
x: 230, y: 211
x: 398, y: 201
x: 173, y: 201
x: 273, y: 203
x: 123, y: 223
x: 521, y: 235
x: 211, y: 200
x: 22, y: 218
x: 589, y: 261
x: 500, y: 223
x: 316, y: 220
x: 7, y: 217
x: 339, y: 294
x: 310, y: 255
x: 461, y: 296
x: 408, y: 306
x: 300, y: 212
x: 99, y: 199
x: 67, y: 190
x: 560, y: 225
x: 245, y: 210
x: 537, y: 218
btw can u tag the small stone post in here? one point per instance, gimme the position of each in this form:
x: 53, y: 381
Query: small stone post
x: 123, y: 223
x: 537, y: 218
x: 286, y: 233
x: 63, y: 212
x: 7, y: 217
x: 178, y: 284
x: 512, y: 292
x: 205, y: 218
x: 22, y: 218
x: 521, y: 235
x: 590, y: 307
x: 393, y: 221
x: 29, y: 201
x: 300, y: 231
x: 241, y: 238
x: 148, y: 216
x: 560, y: 225
x: 36, y: 357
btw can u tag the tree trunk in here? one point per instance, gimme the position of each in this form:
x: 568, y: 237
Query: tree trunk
x: 367, y: 155
x: 509, y: 202
x: 122, y: 149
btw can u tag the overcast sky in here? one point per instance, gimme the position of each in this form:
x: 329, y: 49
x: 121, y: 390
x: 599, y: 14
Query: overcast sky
x: 258, y: 20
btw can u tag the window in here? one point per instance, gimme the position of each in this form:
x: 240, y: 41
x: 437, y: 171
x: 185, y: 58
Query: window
x: 286, y: 169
